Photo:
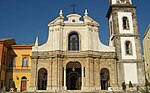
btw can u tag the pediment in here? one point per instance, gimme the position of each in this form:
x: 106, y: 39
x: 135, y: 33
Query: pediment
x: 73, y: 18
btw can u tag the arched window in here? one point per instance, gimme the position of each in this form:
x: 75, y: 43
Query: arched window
x: 42, y: 79
x: 104, y: 76
x: 128, y: 47
x: 25, y: 61
x: 73, y: 41
x: 125, y: 23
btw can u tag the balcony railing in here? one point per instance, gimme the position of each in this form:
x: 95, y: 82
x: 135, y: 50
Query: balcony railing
x: 20, y: 67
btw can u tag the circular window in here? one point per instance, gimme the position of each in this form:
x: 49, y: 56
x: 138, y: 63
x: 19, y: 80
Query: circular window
x: 73, y: 20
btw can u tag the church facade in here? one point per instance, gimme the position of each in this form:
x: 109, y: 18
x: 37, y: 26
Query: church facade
x: 73, y: 58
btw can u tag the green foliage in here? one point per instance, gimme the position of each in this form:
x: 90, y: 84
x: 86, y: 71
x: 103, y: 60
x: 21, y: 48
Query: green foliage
x: 144, y: 90
x: 147, y: 83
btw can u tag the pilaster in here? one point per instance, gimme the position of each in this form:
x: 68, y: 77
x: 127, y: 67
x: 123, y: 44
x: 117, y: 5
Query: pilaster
x: 34, y: 79
x: 49, y: 84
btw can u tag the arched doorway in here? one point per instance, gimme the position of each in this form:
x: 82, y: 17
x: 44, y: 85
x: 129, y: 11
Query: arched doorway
x: 104, y: 75
x: 23, y: 84
x: 42, y: 79
x: 73, y: 76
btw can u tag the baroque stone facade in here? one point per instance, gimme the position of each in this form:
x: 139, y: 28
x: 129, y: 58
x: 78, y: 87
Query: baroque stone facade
x: 91, y: 64
x: 73, y: 58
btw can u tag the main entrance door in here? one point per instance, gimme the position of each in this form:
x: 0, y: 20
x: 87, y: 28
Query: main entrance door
x: 73, y: 76
x: 42, y: 79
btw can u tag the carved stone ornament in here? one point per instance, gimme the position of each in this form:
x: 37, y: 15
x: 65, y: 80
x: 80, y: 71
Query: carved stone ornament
x: 122, y: 1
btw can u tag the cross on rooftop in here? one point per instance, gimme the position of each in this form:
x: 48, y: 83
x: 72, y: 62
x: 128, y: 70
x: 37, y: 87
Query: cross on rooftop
x: 73, y: 6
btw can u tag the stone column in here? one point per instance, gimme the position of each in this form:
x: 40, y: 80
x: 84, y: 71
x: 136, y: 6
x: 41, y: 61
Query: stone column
x: 65, y: 88
x: 91, y: 74
x: 82, y: 87
x: 87, y: 75
x: 55, y: 74
x: 60, y: 74
x: 49, y: 79
x: 96, y: 74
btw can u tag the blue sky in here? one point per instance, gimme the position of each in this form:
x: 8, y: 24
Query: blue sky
x: 26, y: 19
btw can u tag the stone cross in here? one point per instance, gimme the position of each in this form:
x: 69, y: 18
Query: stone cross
x: 73, y: 6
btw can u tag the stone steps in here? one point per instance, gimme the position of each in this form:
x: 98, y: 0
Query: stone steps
x: 78, y: 91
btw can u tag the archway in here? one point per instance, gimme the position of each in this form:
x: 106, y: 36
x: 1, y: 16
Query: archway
x: 104, y: 75
x: 42, y: 79
x: 73, y: 76
x: 23, y: 84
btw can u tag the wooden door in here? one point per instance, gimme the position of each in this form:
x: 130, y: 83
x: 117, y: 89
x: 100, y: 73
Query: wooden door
x: 23, y: 85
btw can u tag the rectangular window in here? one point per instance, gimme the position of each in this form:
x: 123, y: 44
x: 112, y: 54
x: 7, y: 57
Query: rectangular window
x: 13, y: 62
x: 4, y: 60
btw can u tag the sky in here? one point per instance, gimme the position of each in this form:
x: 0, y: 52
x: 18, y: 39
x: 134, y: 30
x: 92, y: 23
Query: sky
x: 23, y: 20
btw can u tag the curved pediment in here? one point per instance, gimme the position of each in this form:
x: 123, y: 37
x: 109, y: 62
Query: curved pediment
x: 73, y: 18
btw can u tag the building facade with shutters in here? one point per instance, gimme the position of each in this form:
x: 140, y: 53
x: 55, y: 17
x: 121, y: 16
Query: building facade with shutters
x: 17, y: 66
x: 21, y: 66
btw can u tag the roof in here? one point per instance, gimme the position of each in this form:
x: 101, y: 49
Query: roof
x: 22, y: 46
x: 9, y: 41
x: 147, y: 30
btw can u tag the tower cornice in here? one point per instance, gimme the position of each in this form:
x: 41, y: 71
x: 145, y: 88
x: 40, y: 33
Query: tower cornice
x: 118, y: 6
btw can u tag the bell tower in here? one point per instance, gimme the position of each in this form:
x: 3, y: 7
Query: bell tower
x: 125, y: 37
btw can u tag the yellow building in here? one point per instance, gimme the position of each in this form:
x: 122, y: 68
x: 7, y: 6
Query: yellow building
x: 21, y: 66
x: 146, y: 46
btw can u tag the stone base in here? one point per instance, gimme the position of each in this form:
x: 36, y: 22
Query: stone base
x: 82, y: 91
x: 57, y: 88
x: 64, y: 87
x: 90, y: 88
x: 32, y: 89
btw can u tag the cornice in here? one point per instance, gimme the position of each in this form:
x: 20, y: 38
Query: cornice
x: 85, y: 54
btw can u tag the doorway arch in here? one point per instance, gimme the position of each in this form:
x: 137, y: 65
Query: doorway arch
x: 104, y: 75
x: 23, y: 83
x: 73, y: 79
x: 42, y: 79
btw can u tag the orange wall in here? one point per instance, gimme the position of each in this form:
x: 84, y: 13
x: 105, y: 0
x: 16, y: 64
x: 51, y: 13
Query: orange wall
x: 1, y: 49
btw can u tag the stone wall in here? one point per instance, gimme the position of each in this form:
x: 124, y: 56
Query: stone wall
x: 55, y: 62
